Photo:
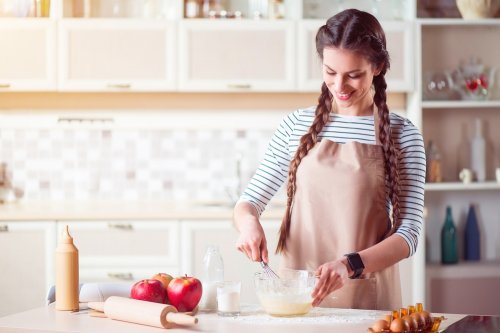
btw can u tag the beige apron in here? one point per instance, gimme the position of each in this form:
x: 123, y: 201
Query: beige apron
x: 339, y: 208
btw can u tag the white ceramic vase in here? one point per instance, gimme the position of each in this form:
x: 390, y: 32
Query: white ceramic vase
x: 477, y: 9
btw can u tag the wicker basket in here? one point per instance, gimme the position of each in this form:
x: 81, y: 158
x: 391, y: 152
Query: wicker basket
x: 477, y: 9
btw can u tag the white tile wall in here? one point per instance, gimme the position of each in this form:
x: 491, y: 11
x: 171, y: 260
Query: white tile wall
x: 172, y: 164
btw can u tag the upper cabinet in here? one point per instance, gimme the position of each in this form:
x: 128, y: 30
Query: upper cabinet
x: 243, y: 55
x: 28, y: 56
x: 183, y: 45
x: 116, y: 55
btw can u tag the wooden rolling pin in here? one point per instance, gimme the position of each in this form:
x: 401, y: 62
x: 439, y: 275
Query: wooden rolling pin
x: 142, y: 312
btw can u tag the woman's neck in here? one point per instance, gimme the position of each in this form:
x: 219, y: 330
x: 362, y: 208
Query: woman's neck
x: 366, y: 108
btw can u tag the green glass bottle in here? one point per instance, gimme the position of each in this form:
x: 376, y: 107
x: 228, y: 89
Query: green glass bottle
x: 449, y: 250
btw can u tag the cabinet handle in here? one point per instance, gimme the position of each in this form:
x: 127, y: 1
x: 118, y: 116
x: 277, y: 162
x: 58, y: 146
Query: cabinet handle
x: 239, y: 86
x: 120, y: 226
x: 4, y: 228
x: 119, y: 85
x: 121, y: 276
x: 4, y: 85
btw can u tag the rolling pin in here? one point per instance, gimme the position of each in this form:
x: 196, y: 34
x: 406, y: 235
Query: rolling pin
x: 142, y: 312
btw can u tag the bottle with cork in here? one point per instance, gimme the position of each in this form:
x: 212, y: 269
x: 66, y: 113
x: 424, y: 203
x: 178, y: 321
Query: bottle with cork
x: 67, y: 284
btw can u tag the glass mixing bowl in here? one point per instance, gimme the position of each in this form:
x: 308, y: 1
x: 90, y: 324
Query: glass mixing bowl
x: 290, y: 295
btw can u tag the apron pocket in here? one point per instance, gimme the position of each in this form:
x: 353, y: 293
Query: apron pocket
x: 355, y: 294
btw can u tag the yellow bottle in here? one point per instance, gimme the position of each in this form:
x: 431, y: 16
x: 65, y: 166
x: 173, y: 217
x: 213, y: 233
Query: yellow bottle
x: 67, y: 285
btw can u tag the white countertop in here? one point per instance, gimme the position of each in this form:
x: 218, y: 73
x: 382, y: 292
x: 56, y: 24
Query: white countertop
x: 25, y: 210
x: 251, y: 320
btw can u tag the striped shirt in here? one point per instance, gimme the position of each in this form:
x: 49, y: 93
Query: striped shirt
x: 273, y: 170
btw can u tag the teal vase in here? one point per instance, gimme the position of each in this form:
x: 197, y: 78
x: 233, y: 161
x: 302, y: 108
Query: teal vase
x: 449, y: 250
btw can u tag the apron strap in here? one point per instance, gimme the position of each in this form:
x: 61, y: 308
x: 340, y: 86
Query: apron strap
x: 376, y: 121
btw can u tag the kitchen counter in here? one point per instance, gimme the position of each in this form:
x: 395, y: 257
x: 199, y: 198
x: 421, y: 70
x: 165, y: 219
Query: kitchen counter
x: 251, y: 320
x: 26, y: 210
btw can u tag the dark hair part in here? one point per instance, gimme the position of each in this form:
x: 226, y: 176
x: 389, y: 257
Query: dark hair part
x: 359, y: 32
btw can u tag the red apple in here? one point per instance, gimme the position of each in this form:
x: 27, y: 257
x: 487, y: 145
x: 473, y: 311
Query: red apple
x: 149, y: 290
x: 184, y: 293
x: 164, y: 278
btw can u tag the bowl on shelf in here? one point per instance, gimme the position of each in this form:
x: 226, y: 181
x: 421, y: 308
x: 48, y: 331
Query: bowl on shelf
x: 288, y: 296
x: 478, y: 9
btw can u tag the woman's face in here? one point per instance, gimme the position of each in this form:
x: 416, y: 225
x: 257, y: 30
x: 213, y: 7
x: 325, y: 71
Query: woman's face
x: 349, y: 77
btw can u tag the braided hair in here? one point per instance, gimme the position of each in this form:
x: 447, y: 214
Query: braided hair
x: 359, y: 32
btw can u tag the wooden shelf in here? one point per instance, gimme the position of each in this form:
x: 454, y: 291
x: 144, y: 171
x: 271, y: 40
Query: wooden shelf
x: 464, y: 269
x: 456, y: 21
x: 460, y: 104
x: 458, y: 186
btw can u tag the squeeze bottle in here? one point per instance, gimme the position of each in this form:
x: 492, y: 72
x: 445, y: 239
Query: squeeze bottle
x: 67, y: 286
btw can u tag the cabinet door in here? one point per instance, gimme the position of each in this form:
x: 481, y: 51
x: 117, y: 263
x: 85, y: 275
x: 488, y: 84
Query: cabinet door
x: 398, y: 35
x: 27, y: 261
x: 132, y: 244
x: 197, y: 235
x: 116, y: 55
x: 27, y: 59
x: 220, y: 55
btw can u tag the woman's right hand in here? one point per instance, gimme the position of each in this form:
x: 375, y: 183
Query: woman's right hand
x: 252, y: 240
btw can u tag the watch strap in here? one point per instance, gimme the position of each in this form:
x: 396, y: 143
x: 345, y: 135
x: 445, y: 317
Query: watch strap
x: 356, y: 263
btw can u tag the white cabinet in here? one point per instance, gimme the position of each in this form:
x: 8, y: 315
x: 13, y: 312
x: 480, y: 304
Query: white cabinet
x: 399, y: 37
x: 125, y: 250
x: 234, y: 55
x: 116, y: 55
x: 27, y: 262
x: 197, y: 235
x: 27, y: 59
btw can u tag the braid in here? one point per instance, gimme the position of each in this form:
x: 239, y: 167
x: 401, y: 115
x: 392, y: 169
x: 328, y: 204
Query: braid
x: 307, y: 141
x: 390, y: 153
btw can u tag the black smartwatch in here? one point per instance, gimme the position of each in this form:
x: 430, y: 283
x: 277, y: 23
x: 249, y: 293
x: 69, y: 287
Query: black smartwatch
x: 354, y: 260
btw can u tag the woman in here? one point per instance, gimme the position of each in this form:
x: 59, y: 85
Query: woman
x: 355, y: 177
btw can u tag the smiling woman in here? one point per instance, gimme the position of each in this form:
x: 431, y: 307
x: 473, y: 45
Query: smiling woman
x: 355, y: 176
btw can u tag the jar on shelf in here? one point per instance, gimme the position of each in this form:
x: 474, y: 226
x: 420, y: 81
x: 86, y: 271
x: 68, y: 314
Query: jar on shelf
x: 276, y: 9
x: 81, y: 8
x: 192, y: 9
x: 212, y: 8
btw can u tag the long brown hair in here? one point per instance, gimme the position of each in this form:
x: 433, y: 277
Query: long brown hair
x: 359, y: 32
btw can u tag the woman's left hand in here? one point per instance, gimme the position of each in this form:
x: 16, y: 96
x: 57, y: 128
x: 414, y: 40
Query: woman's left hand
x: 332, y: 276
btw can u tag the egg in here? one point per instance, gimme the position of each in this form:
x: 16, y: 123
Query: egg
x: 388, y: 318
x: 412, y: 323
x: 380, y: 326
x: 420, y: 320
x: 427, y: 319
x: 398, y: 325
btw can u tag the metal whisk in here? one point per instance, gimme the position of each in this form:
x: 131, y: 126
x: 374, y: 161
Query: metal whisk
x: 268, y: 271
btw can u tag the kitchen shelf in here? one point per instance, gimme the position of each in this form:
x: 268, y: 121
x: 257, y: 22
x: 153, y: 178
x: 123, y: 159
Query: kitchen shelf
x: 457, y: 21
x: 460, y: 104
x: 458, y: 186
x: 486, y: 268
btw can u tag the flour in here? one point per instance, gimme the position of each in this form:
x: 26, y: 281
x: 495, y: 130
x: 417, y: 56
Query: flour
x: 255, y: 315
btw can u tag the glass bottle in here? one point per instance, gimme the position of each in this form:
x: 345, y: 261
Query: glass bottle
x: 434, y: 173
x: 449, y: 251
x: 478, y: 153
x: 471, y: 237
x: 213, y: 273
